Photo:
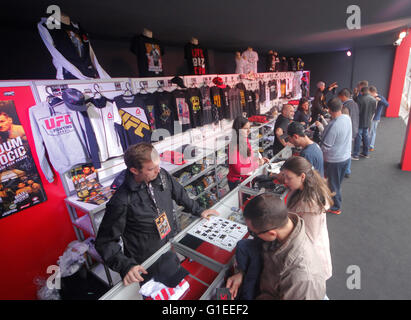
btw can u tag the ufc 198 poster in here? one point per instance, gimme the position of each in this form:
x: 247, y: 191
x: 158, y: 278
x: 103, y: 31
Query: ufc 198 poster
x: 20, y: 184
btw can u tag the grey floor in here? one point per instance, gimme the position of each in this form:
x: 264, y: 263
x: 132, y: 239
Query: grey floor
x: 374, y: 230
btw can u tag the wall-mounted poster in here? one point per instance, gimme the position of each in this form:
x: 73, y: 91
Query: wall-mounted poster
x: 20, y: 184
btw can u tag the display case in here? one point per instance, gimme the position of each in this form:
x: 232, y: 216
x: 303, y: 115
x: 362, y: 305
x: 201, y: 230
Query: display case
x: 207, y: 263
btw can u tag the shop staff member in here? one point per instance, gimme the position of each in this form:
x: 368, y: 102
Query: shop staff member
x: 241, y: 161
x: 141, y: 213
x: 280, y: 128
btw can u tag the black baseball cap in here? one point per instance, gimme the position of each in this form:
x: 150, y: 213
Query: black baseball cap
x: 168, y: 270
x: 74, y: 99
x: 178, y: 81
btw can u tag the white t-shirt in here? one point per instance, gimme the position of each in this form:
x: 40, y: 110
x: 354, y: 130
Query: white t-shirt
x: 251, y: 57
x: 103, y: 120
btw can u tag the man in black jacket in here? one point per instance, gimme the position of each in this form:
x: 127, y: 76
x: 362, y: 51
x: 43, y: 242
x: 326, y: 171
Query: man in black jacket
x: 367, y: 105
x: 141, y: 213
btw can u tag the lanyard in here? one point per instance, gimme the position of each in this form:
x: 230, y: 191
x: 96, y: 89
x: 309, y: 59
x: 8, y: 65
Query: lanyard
x: 152, y: 196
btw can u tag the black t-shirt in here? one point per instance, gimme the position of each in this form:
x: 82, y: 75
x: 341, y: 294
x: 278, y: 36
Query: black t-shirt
x: 262, y: 94
x: 250, y: 100
x: 150, y: 102
x: 135, y: 125
x: 194, y: 102
x: 217, y: 101
x: 243, y: 102
x: 197, y: 59
x: 149, y: 53
x: 207, y: 105
x: 73, y: 43
x: 281, y: 122
x: 226, y: 102
x: 182, y: 108
x: 273, y: 89
x: 165, y: 112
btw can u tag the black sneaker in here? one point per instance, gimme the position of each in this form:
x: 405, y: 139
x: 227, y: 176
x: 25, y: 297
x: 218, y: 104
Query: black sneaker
x: 364, y: 156
x: 355, y: 158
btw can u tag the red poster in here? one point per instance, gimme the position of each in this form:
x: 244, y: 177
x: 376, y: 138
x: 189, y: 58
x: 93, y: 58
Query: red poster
x: 20, y: 184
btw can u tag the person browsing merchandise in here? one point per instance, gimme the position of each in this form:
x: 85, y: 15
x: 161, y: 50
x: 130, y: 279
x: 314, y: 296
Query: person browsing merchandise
x: 310, y: 150
x: 292, y: 267
x: 310, y: 198
x: 141, y: 213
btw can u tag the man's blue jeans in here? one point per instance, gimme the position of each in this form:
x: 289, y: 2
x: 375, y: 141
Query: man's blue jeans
x: 373, y: 132
x: 362, y: 135
x: 250, y: 261
x: 335, y: 172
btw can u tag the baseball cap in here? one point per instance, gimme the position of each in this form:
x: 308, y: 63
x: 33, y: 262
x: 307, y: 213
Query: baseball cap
x: 74, y: 99
x: 218, y: 81
x: 168, y: 270
x: 178, y: 81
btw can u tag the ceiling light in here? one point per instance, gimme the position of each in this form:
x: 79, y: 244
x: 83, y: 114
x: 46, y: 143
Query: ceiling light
x: 349, y: 53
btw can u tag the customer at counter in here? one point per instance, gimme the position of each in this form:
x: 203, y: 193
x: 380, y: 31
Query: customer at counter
x: 141, y: 213
x: 241, y: 161
x: 292, y: 268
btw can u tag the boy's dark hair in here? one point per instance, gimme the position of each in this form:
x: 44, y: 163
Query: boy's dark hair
x: 137, y: 154
x: 266, y: 211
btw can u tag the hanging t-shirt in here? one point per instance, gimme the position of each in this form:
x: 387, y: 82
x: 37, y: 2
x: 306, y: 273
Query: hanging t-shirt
x: 243, y: 101
x: 217, y: 101
x: 103, y: 116
x: 262, y: 91
x: 235, y: 103
x: 194, y: 102
x: 226, y: 102
x: 207, y: 105
x: 149, y: 53
x: 182, y: 108
x: 273, y: 89
x: 164, y: 112
x: 135, y: 126
x: 73, y: 43
x: 252, y: 58
x: 251, y: 105
x: 150, y: 101
x: 197, y: 59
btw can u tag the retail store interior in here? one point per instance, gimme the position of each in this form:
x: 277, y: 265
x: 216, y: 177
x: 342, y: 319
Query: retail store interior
x: 82, y: 82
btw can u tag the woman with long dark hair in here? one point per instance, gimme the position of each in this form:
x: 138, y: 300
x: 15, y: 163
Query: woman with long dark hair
x: 303, y: 114
x: 241, y: 161
x: 310, y: 198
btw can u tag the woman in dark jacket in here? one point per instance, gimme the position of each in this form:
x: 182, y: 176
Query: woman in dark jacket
x: 303, y: 114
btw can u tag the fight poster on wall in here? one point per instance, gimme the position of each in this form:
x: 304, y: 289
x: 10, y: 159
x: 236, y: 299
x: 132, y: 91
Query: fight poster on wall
x: 20, y: 184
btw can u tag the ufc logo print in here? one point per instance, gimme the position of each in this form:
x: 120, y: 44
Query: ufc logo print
x: 57, y: 122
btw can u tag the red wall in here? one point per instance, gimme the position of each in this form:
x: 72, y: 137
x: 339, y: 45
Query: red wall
x: 34, y: 238
x: 402, y: 54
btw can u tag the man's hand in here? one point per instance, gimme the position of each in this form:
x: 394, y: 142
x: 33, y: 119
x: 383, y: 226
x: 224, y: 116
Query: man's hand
x: 207, y: 213
x: 134, y: 275
x: 234, y: 283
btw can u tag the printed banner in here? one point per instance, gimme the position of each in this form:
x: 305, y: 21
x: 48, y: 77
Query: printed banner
x: 20, y: 184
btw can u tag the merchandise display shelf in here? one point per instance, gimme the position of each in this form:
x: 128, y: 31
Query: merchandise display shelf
x: 199, y: 175
x: 205, y: 191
